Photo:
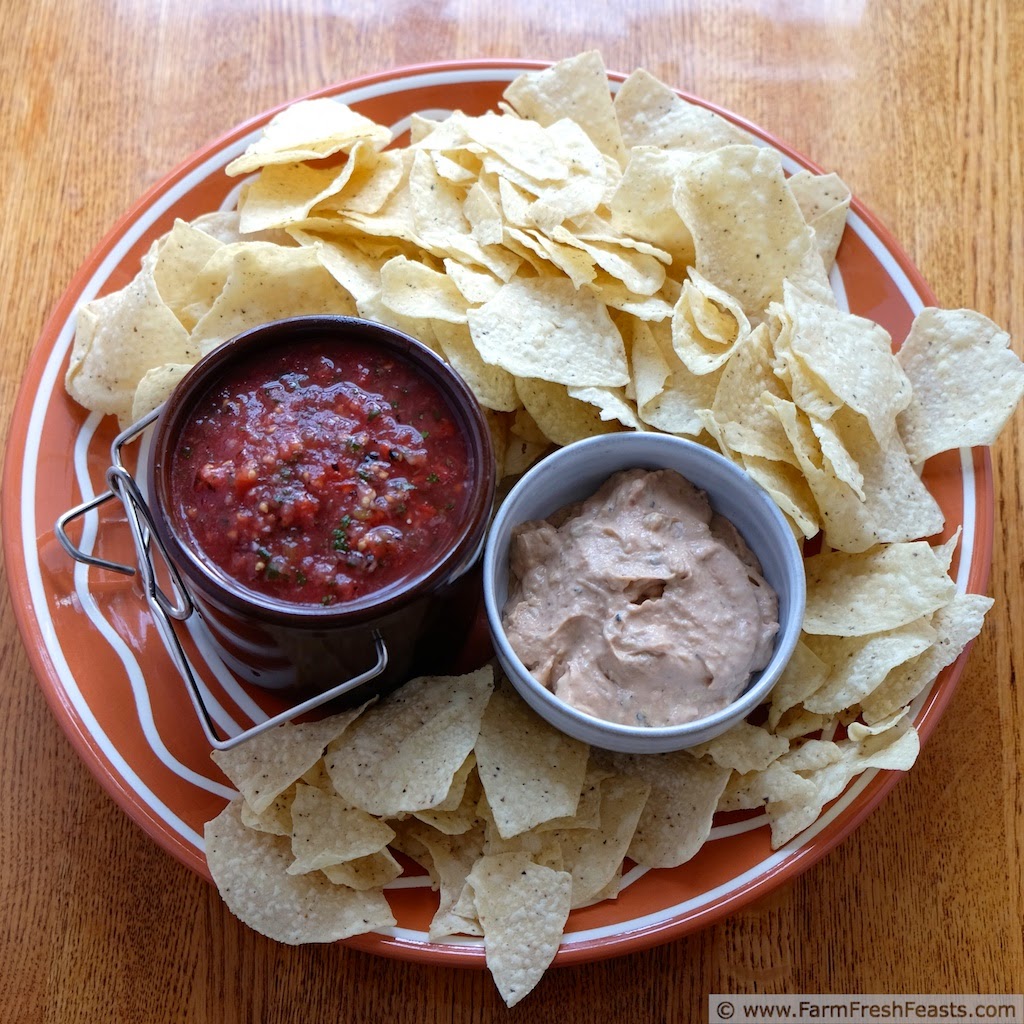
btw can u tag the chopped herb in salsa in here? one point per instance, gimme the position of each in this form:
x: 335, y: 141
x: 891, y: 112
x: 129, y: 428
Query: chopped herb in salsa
x: 300, y: 482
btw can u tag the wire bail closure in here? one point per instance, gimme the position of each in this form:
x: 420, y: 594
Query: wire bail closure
x: 178, y: 605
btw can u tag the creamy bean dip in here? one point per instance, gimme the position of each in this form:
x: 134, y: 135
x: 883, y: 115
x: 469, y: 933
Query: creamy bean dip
x: 640, y: 605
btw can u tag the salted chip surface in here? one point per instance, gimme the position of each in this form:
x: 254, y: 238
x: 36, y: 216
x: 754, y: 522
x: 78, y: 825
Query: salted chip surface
x: 956, y: 625
x: 747, y: 228
x: 639, y: 266
x: 641, y: 205
x: 876, y: 498
x: 676, y: 820
x: 824, y: 200
x: 156, y: 387
x: 857, y: 666
x: 250, y: 870
x: 264, y: 282
x: 743, y: 748
x: 894, y: 750
x: 669, y: 396
x: 404, y: 753
x: 652, y: 114
x: 612, y: 404
x: 803, y: 675
x: 852, y: 356
x: 415, y: 290
x: 561, y: 418
x: 180, y: 257
x: 264, y: 766
x: 747, y: 425
x: 896, y: 505
x: 966, y: 381
x: 118, y: 338
x: 285, y: 194
x: 373, y: 871
x: 276, y: 819
x: 462, y: 817
x: 523, y: 908
x: 309, y: 130
x: 778, y: 782
x: 593, y: 855
x: 788, y: 489
x: 328, y: 830
x: 574, y: 88
x: 880, y: 589
x: 707, y: 325
x: 530, y: 771
x: 452, y: 862
x: 372, y: 182
x: 493, y: 386
x: 544, y: 327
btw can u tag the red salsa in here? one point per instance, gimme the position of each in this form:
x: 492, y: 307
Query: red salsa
x: 322, y: 474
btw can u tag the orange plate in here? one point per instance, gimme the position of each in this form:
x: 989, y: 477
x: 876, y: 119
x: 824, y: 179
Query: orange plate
x: 115, y: 691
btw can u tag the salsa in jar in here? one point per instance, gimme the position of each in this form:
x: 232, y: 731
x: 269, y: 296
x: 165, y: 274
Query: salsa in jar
x: 323, y: 473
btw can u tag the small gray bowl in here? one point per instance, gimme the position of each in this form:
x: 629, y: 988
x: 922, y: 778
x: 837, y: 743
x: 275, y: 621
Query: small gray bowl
x: 575, y: 472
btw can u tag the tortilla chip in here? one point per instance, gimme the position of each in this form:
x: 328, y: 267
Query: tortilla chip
x: 544, y: 327
x: 373, y: 871
x: 180, y: 257
x: 707, y: 325
x: 641, y: 206
x: 328, y: 830
x: 748, y: 231
x: 676, y: 820
x: 747, y: 425
x: 852, y: 356
x: 776, y: 784
x: 669, y: 396
x: 156, y: 387
x: 896, y: 749
x: 531, y: 772
x: 561, y: 418
x: 523, y: 908
x: 285, y: 194
x: 265, y: 765
x: 824, y: 200
x: 275, y: 819
x: 593, y: 856
x: 804, y: 673
x: 743, y: 748
x: 881, y: 589
x: 309, y: 130
x: 612, y: 404
x: 414, y: 290
x: 493, y: 386
x: 956, y: 624
x: 459, y: 817
x: 858, y: 665
x: 578, y: 88
x: 264, y: 282
x: 250, y: 870
x: 966, y: 381
x: 652, y: 114
x: 119, y: 337
x: 403, y: 754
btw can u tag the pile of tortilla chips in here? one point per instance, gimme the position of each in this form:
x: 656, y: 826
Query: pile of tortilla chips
x: 587, y: 264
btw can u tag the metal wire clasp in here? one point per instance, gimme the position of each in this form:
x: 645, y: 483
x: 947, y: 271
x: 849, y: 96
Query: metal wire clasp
x: 177, y: 605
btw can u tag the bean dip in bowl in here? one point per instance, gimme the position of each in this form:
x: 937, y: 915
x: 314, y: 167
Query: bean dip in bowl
x: 643, y: 594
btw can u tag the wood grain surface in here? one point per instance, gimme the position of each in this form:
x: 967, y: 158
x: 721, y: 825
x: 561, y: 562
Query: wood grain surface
x: 919, y: 105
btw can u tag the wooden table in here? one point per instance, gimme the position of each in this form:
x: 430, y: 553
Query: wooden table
x: 920, y: 106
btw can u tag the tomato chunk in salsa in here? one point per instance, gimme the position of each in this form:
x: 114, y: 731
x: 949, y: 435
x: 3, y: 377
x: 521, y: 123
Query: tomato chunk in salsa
x: 322, y: 474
